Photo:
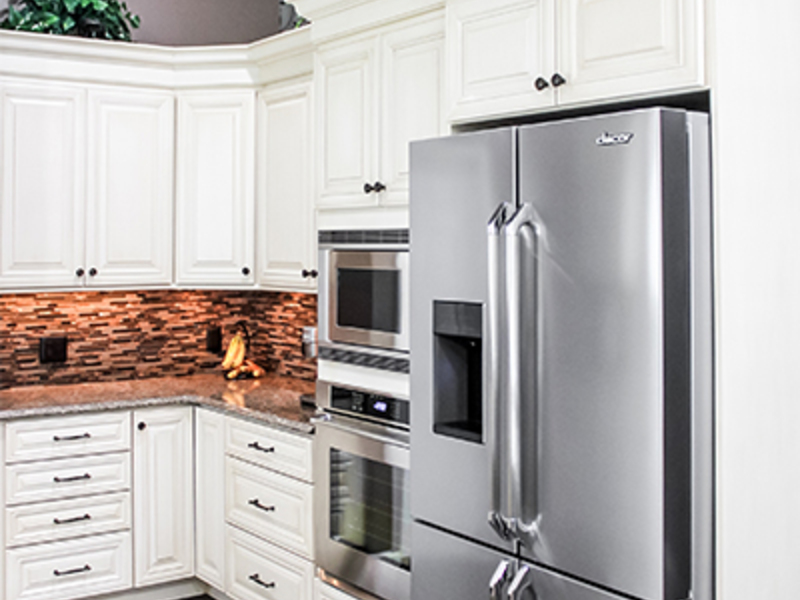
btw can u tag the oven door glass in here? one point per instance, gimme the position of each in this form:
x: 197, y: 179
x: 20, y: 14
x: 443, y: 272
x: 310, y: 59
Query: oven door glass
x: 368, y: 298
x: 369, y: 507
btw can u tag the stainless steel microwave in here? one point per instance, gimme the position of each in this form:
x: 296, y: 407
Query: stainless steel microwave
x: 363, y: 289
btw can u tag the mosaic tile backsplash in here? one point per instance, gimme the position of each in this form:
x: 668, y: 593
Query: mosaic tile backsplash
x: 136, y: 335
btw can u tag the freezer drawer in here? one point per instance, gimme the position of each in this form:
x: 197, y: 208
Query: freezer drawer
x: 446, y: 566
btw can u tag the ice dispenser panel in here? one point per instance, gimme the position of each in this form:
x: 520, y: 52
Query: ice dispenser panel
x: 457, y: 365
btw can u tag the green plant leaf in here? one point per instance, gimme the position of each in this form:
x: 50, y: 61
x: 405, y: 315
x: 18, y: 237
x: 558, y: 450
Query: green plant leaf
x: 71, y: 5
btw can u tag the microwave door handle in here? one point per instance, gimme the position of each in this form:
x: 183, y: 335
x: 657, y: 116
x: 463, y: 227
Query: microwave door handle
x: 494, y: 379
x: 521, y: 299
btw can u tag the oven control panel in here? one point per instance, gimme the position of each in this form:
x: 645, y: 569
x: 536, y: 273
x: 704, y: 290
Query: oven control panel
x: 355, y: 402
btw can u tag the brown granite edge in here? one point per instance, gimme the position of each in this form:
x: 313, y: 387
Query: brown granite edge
x: 45, y: 410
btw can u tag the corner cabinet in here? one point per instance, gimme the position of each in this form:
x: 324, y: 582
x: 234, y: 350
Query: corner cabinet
x: 216, y: 189
x: 71, y: 222
x: 513, y: 56
x: 163, y: 506
x: 287, y: 248
x: 374, y: 94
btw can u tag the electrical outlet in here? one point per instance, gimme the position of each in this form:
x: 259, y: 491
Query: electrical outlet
x: 214, y: 340
x: 52, y: 350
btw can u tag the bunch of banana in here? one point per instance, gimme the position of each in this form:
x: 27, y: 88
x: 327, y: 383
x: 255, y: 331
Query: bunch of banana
x: 234, y: 357
x: 247, y: 369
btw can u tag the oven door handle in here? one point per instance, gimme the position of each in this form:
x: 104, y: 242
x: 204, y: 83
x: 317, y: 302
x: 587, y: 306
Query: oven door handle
x: 339, y: 424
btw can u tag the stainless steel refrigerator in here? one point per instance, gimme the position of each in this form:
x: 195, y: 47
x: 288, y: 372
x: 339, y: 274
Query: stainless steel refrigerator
x: 561, y: 361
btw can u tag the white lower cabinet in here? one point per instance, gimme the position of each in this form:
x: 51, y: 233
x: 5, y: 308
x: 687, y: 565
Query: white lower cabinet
x: 72, y: 569
x: 163, y: 479
x: 209, y: 502
x: 258, y: 570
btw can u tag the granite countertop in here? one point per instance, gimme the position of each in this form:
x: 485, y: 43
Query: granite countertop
x: 272, y: 399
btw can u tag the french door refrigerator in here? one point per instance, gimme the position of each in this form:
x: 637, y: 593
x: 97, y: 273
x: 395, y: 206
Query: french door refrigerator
x: 561, y: 361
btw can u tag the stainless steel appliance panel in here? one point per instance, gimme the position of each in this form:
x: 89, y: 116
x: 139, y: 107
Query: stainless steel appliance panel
x: 607, y: 195
x: 456, y: 185
x: 361, y: 505
x: 447, y: 567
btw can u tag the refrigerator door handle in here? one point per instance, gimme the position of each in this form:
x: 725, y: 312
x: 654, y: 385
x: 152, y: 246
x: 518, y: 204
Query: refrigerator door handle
x: 494, y: 388
x: 520, y: 584
x: 521, y: 237
x: 499, y: 580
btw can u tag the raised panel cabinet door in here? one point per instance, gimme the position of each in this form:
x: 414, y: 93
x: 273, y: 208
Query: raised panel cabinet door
x: 209, y: 447
x: 216, y: 189
x: 613, y: 48
x: 130, y: 188
x: 346, y: 99
x: 42, y: 183
x: 286, y: 236
x: 163, y: 492
x: 412, y: 98
x: 496, y: 53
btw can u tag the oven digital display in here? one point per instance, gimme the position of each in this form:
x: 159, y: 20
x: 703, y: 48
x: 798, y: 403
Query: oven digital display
x: 368, y: 299
x: 380, y: 406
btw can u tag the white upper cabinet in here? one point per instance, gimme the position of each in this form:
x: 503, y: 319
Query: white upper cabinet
x: 497, y: 51
x: 130, y: 188
x: 42, y: 184
x: 216, y: 189
x: 516, y: 56
x: 285, y: 198
x: 375, y: 93
x: 610, y: 48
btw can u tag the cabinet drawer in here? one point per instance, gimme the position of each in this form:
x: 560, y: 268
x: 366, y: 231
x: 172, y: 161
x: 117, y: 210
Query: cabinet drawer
x: 257, y: 570
x: 284, y: 452
x: 60, y: 437
x: 270, y: 505
x: 68, y: 478
x: 66, y: 570
x: 66, y: 519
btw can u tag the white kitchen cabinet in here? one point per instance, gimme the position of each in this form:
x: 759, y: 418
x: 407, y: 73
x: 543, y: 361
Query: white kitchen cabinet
x: 287, y: 249
x: 216, y: 188
x: 209, y: 444
x: 42, y: 185
x: 130, y: 188
x: 85, y: 202
x: 163, y: 507
x: 375, y: 93
x: 517, y: 56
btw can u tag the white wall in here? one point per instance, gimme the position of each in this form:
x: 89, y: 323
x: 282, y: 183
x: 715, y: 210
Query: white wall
x: 756, y: 111
x: 202, y: 22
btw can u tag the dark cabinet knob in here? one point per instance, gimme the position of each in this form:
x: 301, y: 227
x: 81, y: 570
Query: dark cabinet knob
x: 557, y: 80
x: 378, y: 187
x: 541, y: 84
x: 80, y: 272
x: 92, y: 272
x: 313, y: 273
x: 245, y: 271
x: 142, y: 426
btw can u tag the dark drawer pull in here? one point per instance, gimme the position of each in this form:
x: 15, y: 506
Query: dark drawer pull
x: 69, y: 479
x: 256, y: 579
x: 257, y: 446
x: 257, y: 504
x: 83, y: 569
x: 72, y: 438
x: 85, y: 517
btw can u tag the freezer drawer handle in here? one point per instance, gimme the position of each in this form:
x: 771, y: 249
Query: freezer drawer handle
x: 520, y: 584
x: 85, y: 517
x: 71, y: 479
x: 72, y: 438
x: 255, y: 502
x: 257, y: 580
x: 257, y: 446
x: 499, y: 580
x: 83, y: 569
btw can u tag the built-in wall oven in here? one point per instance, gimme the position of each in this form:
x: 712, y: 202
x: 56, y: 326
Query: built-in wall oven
x: 363, y: 290
x: 362, y: 504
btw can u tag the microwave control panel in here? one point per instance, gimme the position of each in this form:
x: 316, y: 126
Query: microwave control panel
x: 385, y: 408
